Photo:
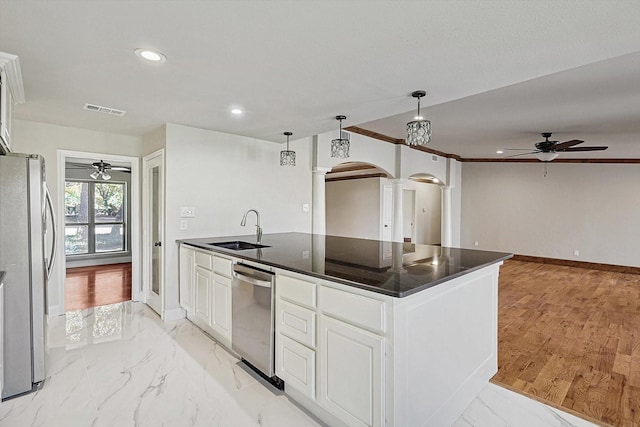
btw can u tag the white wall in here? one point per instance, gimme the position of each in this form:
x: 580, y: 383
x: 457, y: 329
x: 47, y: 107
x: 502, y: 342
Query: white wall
x: 593, y: 208
x: 362, y: 149
x: 353, y: 208
x: 223, y: 176
x: 428, y: 213
x: 46, y: 140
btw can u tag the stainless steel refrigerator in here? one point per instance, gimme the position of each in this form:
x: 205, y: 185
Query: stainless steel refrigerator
x: 27, y: 257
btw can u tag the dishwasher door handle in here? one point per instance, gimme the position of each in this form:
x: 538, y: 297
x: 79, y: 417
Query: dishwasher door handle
x: 252, y: 280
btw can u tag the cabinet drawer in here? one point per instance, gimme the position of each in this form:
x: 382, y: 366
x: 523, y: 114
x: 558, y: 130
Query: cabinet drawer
x: 296, y: 322
x: 296, y: 365
x: 356, y: 309
x: 296, y: 290
x: 203, y: 260
x: 222, y: 266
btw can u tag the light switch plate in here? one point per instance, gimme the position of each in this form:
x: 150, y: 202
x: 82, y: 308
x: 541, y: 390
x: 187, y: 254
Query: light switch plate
x: 187, y: 212
x: 305, y: 207
x: 183, y: 224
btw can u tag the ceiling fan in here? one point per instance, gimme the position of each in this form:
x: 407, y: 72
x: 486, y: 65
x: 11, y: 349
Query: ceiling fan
x: 547, y: 150
x: 101, y: 169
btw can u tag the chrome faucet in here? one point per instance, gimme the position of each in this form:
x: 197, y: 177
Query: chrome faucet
x: 258, y: 229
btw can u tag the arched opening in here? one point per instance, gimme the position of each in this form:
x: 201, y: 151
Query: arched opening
x: 422, y: 209
x: 358, y: 200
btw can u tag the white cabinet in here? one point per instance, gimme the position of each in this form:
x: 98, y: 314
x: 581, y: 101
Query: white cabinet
x: 205, y: 291
x: 11, y: 92
x: 187, y: 273
x: 1, y: 337
x: 351, y: 373
x: 203, y: 285
x: 296, y: 333
x: 220, y: 320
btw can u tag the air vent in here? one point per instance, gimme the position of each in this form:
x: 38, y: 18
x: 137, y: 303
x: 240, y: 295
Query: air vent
x: 106, y: 110
x: 434, y: 158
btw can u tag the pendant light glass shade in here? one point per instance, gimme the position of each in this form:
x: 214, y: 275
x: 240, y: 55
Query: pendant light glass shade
x: 418, y: 130
x: 340, y: 145
x: 546, y: 156
x: 287, y: 157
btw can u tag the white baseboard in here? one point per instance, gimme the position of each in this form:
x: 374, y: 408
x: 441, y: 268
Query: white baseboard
x: 173, y: 314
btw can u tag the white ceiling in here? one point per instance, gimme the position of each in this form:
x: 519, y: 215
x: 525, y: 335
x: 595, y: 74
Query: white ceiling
x: 294, y: 65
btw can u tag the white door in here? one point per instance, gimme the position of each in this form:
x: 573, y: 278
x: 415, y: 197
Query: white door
x: 153, y: 234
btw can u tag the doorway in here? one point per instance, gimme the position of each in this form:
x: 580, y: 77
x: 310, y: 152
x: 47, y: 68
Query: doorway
x: 153, y: 231
x: 99, y: 214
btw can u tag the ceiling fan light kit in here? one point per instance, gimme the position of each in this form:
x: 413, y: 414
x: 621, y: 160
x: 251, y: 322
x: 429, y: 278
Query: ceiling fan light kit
x: 418, y: 130
x: 101, y: 170
x: 340, y: 145
x: 287, y: 157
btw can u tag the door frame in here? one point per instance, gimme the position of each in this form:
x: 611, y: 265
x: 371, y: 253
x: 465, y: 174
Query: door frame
x: 134, y: 224
x: 150, y: 161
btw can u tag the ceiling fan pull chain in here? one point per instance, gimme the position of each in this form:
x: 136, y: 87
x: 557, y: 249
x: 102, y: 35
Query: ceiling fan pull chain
x: 545, y: 169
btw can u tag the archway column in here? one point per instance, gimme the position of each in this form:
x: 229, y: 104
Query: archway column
x: 397, y: 187
x: 446, y: 217
x: 318, y: 219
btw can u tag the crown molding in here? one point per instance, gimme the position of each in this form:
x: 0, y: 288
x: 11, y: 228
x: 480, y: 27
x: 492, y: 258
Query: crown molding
x: 11, y: 65
x: 386, y: 138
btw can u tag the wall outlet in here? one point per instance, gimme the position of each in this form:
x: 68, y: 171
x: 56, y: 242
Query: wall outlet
x: 305, y: 254
x: 576, y: 252
x: 183, y: 224
x: 305, y: 207
x: 187, y: 212
x: 475, y: 243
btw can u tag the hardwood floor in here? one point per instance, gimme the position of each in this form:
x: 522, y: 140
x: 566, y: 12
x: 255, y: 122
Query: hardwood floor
x: 570, y: 337
x: 97, y: 285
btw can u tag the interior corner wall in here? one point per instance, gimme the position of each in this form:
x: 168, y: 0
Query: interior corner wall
x: 222, y: 176
x: 353, y: 208
x: 587, y: 207
x: 46, y: 139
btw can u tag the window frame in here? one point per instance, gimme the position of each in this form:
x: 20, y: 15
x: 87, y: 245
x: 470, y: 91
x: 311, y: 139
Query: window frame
x: 91, y: 223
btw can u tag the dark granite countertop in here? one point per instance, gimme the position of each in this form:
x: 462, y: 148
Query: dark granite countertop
x: 395, y: 269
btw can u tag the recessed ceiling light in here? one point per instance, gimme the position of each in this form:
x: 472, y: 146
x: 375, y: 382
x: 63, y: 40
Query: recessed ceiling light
x: 150, y: 55
x: 499, y: 152
x: 236, y: 111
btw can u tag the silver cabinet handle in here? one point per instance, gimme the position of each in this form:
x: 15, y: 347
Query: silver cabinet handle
x: 253, y: 281
x: 54, y: 228
x: 157, y: 243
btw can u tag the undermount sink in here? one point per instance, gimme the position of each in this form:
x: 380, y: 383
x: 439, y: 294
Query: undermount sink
x: 237, y: 245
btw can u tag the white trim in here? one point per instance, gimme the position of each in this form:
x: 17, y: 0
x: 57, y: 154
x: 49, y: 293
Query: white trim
x: 134, y: 224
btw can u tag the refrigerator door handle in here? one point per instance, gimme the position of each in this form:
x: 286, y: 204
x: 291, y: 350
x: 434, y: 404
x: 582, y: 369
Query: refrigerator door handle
x: 54, y: 226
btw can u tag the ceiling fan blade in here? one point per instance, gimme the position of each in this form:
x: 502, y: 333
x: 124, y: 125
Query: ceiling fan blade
x: 592, y: 148
x: 120, y: 168
x: 518, y: 149
x: 566, y: 144
x: 522, y: 154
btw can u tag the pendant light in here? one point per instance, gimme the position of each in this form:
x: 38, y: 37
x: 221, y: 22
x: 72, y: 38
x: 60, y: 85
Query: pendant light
x: 419, y: 130
x: 287, y: 157
x: 340, y: 145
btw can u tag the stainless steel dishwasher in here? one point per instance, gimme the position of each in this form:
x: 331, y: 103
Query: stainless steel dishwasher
x: 253, y: 322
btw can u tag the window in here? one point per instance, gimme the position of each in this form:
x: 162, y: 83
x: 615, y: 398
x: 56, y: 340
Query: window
x: 95, y: 217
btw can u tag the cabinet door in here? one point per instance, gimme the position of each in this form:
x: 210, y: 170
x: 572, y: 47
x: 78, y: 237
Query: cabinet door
x: 187, y: 270
x: 351, y: 373
x: 296, y: 365
x: 221, y: 306
x: 203, y: 284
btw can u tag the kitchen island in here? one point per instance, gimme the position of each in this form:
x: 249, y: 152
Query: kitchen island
x: 366, y: 332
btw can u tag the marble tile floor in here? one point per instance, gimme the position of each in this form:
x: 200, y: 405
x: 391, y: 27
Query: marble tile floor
x: 120, y: 365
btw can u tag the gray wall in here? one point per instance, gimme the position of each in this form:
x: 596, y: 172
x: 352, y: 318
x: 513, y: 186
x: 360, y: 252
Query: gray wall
x: 592, y: 208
